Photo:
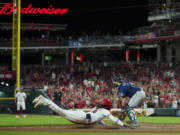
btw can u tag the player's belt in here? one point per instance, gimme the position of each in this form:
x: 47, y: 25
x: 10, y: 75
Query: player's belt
x: 88, y: 117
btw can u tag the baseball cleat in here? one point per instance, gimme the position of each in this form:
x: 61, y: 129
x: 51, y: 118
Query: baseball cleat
x: 37, y: 104
x: 136, y: 124
x: 37, y: 98
x: 38, y: 101
x: 133, y: 123
x: 125, y: 126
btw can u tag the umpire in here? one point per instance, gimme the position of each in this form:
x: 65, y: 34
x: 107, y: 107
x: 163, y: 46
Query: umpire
x: 57, y: 97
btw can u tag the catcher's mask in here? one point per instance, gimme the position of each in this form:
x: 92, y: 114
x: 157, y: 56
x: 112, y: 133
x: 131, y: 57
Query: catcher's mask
x: 115, y: 80
x: 105, y: 103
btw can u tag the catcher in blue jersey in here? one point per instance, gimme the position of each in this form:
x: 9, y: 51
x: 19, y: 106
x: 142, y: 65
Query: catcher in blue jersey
x: 136, y: 95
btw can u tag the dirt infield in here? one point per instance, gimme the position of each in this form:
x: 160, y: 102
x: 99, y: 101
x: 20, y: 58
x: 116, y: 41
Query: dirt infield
x: 144, y: 128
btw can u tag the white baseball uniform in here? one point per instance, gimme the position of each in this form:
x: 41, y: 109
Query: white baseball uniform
x: 79, y: 116
x: 21, y: 96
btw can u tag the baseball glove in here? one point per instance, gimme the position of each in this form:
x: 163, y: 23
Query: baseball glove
x: 122, y: 115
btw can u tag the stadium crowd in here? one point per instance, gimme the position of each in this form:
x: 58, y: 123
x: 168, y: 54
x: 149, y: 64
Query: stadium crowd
x: 95, y: 37
x: 85, y: 85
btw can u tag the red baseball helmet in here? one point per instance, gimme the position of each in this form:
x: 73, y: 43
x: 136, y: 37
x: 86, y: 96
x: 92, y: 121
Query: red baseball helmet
x: 106, y: 103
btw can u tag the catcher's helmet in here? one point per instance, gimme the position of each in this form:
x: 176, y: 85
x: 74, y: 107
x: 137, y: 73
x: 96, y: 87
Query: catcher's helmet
x: 105, y: 102
x: 117, y: 79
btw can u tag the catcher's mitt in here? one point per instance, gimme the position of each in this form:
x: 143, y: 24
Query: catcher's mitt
x: 122, y: 115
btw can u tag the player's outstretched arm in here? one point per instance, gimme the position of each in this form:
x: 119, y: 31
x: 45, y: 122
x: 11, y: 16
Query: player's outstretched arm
x: 115, y: 120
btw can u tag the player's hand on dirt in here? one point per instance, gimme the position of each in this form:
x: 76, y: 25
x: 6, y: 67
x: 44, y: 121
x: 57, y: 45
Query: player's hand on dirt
x: 125, y: 125
x: 128, y: 126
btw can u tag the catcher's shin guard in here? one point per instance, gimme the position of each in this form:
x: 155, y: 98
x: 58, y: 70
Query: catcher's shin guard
x: 132, y: 116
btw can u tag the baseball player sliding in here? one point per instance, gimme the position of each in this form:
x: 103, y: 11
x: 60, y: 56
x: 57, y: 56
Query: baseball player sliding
x: 79, y: 116
x: 20, y: 101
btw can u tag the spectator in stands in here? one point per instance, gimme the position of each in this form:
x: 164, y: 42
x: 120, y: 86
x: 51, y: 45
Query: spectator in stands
x: 174, y: 102
x: 157, y: 83
x: 161, y: 103
x: 151, y: 104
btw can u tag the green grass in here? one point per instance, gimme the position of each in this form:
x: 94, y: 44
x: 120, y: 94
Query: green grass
x: 165, y: 120
x: 32, y: 120
x: 38, y: 120
x: 48, y: 133
x: 155, y: 120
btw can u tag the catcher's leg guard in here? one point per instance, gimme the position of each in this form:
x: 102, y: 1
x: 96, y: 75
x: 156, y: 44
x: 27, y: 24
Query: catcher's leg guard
x: 132, y: 116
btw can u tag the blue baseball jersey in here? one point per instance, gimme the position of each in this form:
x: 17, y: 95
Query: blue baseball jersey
x: 128, y: 89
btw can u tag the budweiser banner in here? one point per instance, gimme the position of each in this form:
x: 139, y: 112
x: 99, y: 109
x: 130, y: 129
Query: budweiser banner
x: 7, y: 8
